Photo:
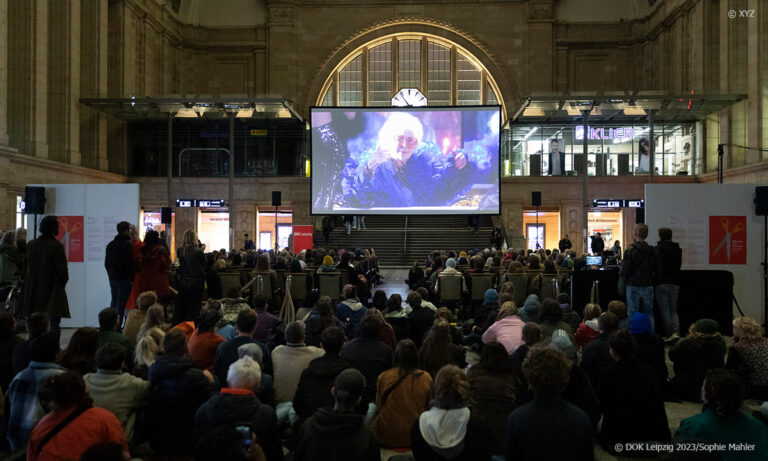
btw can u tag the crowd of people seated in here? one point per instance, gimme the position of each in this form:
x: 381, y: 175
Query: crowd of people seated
x: 234, y: 378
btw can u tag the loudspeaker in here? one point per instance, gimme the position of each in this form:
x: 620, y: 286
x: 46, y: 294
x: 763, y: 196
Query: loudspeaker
x: 536, y: 198
x: 639, y: 215
x: 165, y: 215
x: 276, y: 196
x: 761, y: 200
x: 535, y: 164
x: 34, y: 200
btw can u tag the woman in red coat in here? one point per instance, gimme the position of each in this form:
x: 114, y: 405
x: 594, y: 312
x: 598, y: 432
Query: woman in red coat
x: 154, y: 263
x: 136, y: 288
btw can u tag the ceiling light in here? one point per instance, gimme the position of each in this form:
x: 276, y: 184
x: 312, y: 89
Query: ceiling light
x: 244, y: 113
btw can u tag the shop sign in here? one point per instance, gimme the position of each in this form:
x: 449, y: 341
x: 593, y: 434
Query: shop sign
x: 605, y: 133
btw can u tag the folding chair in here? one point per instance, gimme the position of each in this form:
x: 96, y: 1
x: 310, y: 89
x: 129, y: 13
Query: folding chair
x: 329, y: 284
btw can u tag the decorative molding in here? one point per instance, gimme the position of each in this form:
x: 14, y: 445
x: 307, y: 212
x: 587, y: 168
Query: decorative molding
x: 19, y: 160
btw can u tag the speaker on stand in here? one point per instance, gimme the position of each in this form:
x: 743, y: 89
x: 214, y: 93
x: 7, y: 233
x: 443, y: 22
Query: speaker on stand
x: 34, y: 204
x: 276, y: 202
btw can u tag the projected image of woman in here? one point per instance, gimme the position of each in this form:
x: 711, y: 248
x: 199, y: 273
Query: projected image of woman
x: 401, y: 171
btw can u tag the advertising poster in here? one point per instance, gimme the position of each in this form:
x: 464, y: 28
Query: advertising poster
x: 302, y: 238
x: 71, y: 235
x: 727, y: 239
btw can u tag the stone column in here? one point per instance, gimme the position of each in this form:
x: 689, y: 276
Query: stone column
x: 281, y: 41
x: 755, y: 86
x: 3, y: 72
x: 64, y: 82
x: 28, y: 76
x: 93, y: 82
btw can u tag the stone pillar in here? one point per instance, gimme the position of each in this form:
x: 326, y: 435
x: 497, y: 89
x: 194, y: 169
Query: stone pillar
x: 28, y: 76
x: 64, y: 82
x: 93, y: 82
x: 754, y: 83
x: 282, y: 47
x: 3, y: 72
x: 540, y: 52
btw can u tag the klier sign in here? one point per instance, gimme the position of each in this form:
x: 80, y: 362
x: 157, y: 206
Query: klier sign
x: 605, y: 133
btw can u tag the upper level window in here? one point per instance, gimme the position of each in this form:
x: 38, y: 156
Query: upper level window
x: 445, y: 73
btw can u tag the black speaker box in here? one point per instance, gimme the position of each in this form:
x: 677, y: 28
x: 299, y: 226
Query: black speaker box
x: 34, y: 200
x: 639, y: 215
x: 536, y: 198
x: 165, y: 215
x: 276, y: 198
x: 761, y: 200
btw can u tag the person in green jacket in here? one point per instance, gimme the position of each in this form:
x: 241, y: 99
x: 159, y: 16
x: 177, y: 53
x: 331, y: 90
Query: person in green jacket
x: 722, y: 425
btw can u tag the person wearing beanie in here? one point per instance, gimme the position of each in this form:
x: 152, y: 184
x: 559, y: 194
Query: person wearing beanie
x: 579, y: 390
x: 694, y: 356
x: 650, y: 347
x: 630, y: 399
x: 530, y: 312
x: 338, y: 433
x: 450, y: 269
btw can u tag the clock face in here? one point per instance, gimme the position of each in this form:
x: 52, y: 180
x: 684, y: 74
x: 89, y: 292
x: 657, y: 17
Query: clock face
x: 409, y: 97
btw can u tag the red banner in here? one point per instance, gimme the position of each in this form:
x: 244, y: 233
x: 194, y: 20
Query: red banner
x: 727, y: 239
x: 71, y: 235
x: 302, y: 238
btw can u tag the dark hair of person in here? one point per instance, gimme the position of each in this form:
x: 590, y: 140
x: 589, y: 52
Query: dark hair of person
x: 608, y: 322
x: 344, y: 260
x: 37, y: 324
x: 7, y: 325
x: 325, y: 306
x: 369, y: 327
x: 82, y: 347
x: 546, y: 370
x: 350, y: 291
x: 208, y: 320
x: 259, y: 301
x: 644, y: 141
x: 49, y: 226
x: 65, y: 390
x: 394, y: 303
x: 332, y: 339
x: 294, y: 332
x: 108, y: 319
x: 549, y: 267
x: 151, y: 239
x: 451, y: 388
x: 665, y: 233
x: 110, y: 356
x: 262, y: 263
x: 44, y: 348
x: 246, y: 321
x: 724, y: 391
x: 175, y: 343
x: 443, y: 313
x: 416, y: 266
x: 494, y: 359
x: 505, y: 297
x: 103, y: 451
x: 436, y: 350
x: 123, y: 226
x: 623, y: 344
x: 422, y: 291
x: 223, y: 442
x: 379, y: 299
x: 550, y: 311
x: 406, y: 356
x: 531, y: 333
x: 414, y: 300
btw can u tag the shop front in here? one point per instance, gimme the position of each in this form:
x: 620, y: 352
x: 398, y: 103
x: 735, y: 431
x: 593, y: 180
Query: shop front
x: 271, y: 225
x: 213, y: 228
x: 608, y: 223
x: 542, y: 228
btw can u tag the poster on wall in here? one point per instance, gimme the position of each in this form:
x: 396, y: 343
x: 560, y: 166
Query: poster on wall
x: 71, y: 234
x: 727, y: 239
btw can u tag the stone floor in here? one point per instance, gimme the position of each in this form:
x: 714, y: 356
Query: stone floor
x: 394, y: 283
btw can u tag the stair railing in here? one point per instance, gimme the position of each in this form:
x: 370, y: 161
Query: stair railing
x: 405, y: 237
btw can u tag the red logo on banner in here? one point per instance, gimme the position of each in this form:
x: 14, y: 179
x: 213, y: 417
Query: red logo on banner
x: 302, y: 238
x: 71, y: 235
x: 727, y: 239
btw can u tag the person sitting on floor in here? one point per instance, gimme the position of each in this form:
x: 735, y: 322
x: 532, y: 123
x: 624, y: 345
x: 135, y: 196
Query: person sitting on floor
x: 338, y: 433
x: 449, y: 430
x: 721, y: 421
x: 692, y: 357
x: 588, y: 329
x: 748, y: 356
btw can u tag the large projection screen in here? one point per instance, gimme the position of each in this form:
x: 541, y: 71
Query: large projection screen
x: 405, y: 161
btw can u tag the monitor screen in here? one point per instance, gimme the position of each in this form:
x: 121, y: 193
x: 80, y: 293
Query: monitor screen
x: 404, y: 161
x: 594, y: 260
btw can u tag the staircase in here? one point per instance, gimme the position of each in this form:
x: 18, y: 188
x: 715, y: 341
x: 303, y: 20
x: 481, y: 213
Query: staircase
x: 397, y: 247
